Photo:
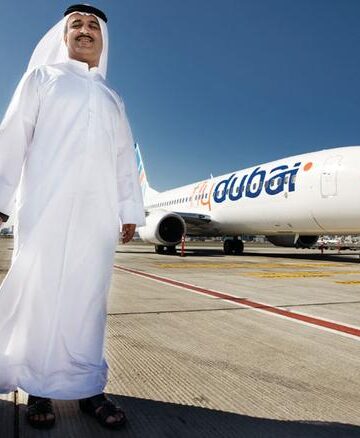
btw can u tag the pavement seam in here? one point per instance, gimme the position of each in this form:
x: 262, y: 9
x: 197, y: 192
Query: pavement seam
x: 285, y: 306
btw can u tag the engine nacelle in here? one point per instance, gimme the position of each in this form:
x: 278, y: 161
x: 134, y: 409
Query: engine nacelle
x: 293, y: 240
x: 163, y: 228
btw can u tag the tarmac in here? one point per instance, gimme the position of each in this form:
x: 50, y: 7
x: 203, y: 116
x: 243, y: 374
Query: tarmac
x: 263, y: 345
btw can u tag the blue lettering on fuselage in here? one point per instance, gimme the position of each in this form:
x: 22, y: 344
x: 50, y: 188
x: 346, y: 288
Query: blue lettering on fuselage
x: 236, y: 186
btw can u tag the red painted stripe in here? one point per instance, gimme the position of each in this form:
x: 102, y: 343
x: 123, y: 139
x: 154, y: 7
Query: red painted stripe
x: 248, y: 303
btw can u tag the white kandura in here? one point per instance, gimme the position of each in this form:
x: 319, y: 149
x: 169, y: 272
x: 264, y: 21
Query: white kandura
x: 66, y: 138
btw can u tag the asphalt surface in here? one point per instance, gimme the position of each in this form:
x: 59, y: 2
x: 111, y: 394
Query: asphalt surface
x: 260, y: 345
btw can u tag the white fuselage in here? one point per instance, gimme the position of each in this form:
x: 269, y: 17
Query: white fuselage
x: 313, y: 193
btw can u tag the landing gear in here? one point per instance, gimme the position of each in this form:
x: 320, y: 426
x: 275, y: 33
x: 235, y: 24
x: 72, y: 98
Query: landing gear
x: 159, y: 249
x: 171, y: 249
x: 233, y: 246
x: 162, y: 249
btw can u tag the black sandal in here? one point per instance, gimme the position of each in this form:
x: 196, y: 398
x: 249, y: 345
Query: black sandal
x: 107, y: 409
x: 41, y: 407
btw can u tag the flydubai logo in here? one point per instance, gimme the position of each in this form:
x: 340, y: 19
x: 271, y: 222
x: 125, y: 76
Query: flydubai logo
x: 272, y: 182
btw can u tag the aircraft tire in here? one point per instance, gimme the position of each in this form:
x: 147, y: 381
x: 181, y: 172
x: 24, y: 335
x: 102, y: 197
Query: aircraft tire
x: 171, y: 249
x: 228, y: 247
x: 233, y: 247
x: 159, y: 249
x: 238, y: 247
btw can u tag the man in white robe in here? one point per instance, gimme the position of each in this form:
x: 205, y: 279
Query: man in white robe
x: 67, y: 153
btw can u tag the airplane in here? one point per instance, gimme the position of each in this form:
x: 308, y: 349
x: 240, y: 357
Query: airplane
x: 291, y: 201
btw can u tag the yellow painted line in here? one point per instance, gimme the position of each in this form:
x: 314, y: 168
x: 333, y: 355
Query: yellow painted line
x: 348, y: 282
x: 299, y: 274
x: 343, y: 272
x: 198, y: 265
x: 250, y: 265
x: 286, y: 274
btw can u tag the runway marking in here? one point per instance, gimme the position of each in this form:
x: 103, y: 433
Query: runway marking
x: 305, y: 274
x: 331, y: 326
x: 299, y: 274
x: 249, y: 265
x: 348, y: 282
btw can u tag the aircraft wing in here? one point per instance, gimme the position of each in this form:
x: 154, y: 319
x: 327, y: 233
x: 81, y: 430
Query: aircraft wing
x: 198, y: 224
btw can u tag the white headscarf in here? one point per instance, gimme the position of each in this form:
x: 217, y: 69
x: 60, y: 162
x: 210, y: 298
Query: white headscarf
x: 51, y: 49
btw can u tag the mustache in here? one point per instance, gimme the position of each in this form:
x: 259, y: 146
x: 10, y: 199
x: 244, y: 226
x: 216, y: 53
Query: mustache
x: 84, y: 36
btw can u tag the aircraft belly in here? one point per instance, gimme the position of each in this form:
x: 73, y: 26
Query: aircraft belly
x: 338, y: 217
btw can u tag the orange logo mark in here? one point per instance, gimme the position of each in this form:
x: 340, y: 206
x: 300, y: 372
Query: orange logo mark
x: 199, y: 195
x: 308, y: 166
x: 207, y: 200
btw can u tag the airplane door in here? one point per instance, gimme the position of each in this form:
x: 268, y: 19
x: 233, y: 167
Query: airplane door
x: 329, y: 176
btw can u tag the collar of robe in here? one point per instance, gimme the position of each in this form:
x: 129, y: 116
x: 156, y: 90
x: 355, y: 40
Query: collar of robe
x: 82, y: 68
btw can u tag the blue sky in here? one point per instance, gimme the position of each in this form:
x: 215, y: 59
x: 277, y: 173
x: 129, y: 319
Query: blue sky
x: 213, y: 86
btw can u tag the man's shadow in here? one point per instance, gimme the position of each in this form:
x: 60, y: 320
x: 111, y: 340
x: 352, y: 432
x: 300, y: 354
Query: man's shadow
x: 156, y: 419
x: 7, y: 419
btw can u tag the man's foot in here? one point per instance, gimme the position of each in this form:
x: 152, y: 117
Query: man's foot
x: 104, y: 410
x: 40, y: 413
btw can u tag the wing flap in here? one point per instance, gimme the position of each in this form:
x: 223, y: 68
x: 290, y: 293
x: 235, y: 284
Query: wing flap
x: 198, y: 224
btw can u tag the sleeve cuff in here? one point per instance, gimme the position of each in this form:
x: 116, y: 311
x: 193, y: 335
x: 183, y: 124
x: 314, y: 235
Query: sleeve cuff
x: 132, y: 213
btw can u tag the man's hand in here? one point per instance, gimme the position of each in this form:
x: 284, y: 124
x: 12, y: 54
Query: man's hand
x: 128, y: 231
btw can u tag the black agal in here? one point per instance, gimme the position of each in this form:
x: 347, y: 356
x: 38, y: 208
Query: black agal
x: 87, y: 9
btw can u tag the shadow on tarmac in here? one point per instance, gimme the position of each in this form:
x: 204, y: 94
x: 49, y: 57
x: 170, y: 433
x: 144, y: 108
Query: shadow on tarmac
x: 211, y: 252
x: 198, y: 252
x: 159, y: 419
x: 7, y: 419
x: 155, y: 419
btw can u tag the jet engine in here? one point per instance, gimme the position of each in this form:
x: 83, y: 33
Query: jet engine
x: 163, y: 228
x: 293, y: 240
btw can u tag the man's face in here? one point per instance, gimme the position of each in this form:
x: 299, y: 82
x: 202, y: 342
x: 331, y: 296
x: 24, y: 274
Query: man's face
x: 83, y: 38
